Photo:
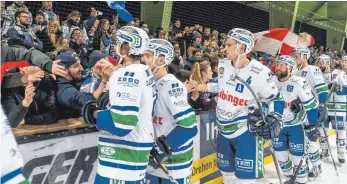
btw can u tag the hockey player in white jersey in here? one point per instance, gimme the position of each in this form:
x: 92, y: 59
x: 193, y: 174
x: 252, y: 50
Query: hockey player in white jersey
x: 337, y: 110
x: 11, y: 158
x: 126, y: 131
x: 324, y: 63
x: 174, y: 120
x: 240, y: 152
x: 300, y: 106
x: 314, y: 77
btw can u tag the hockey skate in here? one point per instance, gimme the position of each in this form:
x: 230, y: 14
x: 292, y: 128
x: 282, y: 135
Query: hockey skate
x: 315, y: 172
x: 341, y: 157
x: 325, y: 154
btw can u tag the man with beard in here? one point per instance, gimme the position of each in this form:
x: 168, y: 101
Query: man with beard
x: 300, y: 107
x: 47, y: 10
x: 69, y: 94
x: 324, y: 64
x: 21, y: 34
x: 73, y: 22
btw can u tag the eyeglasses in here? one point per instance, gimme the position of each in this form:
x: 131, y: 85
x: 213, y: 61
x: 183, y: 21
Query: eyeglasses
x: 25, y: 17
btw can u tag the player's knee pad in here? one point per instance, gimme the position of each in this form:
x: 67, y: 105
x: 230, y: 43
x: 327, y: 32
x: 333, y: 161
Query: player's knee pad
x: 313, y: 153
x: 285, y: 162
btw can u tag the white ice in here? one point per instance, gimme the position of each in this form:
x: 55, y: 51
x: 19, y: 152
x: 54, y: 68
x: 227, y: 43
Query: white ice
x: 327, y: 177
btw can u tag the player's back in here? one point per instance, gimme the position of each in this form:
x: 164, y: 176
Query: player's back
x: 125, y: 144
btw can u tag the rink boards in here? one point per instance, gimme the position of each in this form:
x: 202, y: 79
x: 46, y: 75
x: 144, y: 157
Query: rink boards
x: 69, y: 157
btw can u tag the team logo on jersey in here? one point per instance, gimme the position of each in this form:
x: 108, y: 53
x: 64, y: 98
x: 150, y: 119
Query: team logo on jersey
x: 256, y: 69
x: 106, y: 150
x: 221, y: 70
x: 176, y: 91
x: 128, y: 80
x: 239, y: 87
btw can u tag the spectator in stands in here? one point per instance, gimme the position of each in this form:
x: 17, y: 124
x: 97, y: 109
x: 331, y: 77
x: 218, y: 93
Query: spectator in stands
x: 32, y: 101
x: 41, y: 29
x: 137, y: 22
x: 21, y: 35
x: 15, y: 7
x: 92, y: 27
x: 69, y: 95
x: 202, y: 74
x: 335, y: 55
x: 222, y: 38
x: 72, y: 23
x: 97, y: 63
x: 6, y: 20
x: 214, y: 68
x: 144, y: 26
x: 207, y: 33
x: 33, y: 57
x: 176, y: 32
x: 196, y: 57
x: 106, y: 35
x: 47, y: 10
x: 214, y: 35
x: 76, y: 43
x: 196, y: 44
x: 122, y: 51
x: 176, y: 67
x: 115, y: 21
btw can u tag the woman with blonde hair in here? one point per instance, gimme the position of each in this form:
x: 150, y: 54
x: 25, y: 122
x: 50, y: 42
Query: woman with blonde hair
x: 202, y: 73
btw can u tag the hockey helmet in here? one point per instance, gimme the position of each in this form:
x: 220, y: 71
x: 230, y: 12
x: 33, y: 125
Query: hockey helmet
x: 136, y: 37
x: 162, y: 47
x: 244, y: 37
x: 344, y: 58
x: 302, y: 51
x: 289, y: 60
x: 324, y: 58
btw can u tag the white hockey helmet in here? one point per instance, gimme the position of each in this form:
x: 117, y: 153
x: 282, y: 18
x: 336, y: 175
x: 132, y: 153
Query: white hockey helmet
x: 324, y: 58
x: 244, y: 37
x: 302, y: 51
x: 162, y: 47
x: 344, y: 58
x: 289, y: 60
x: 136, y: 37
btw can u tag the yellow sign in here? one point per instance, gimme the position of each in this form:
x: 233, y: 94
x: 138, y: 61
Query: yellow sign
x: 204, y: 167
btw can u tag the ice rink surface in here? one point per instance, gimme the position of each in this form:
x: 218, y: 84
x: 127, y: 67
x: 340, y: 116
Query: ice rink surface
x: 328, y: 175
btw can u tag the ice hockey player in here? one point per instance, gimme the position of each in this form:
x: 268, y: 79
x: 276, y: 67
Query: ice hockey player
x: 337, y: 110
x: 126, y: 130
x: 174, y: 120
x: 239, y: 151
x: 314, y: 77
x: 11, y: 158
x: 324, y: 64
x: 300, y: 106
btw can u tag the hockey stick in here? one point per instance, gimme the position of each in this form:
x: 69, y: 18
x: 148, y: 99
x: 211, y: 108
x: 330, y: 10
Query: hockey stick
x: 262, y: 115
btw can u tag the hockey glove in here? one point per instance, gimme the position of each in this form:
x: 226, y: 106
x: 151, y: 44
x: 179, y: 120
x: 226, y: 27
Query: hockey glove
x: 296, y: 106
x: 268, y: 128
x: 160, y: 152
x: 88, y: 112
x: 104, y: 101
x: 333, y: 87
x: 312, y: 132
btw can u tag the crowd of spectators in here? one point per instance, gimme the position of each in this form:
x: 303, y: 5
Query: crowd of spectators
x: 80, y: 53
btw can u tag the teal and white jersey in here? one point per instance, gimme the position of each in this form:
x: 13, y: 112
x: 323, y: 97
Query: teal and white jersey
x: 174, y: 118
x: 126, y: 130
x: 234, y: 97
x: 11, y: 158
x: 296, y: 88
x: 340, y: 78
x: 314, y: 77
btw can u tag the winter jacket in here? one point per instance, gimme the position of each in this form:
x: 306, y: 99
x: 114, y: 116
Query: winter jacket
x: 18, y: 55
x: 70, y: 96
x: 82, y: 52
x: 176, y: 68
x: 205, y: 102
x: 19, y: 35
x: 42, y: 111
x: 47, y: 14
x: 70, y: 26
x: 13, y: 8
